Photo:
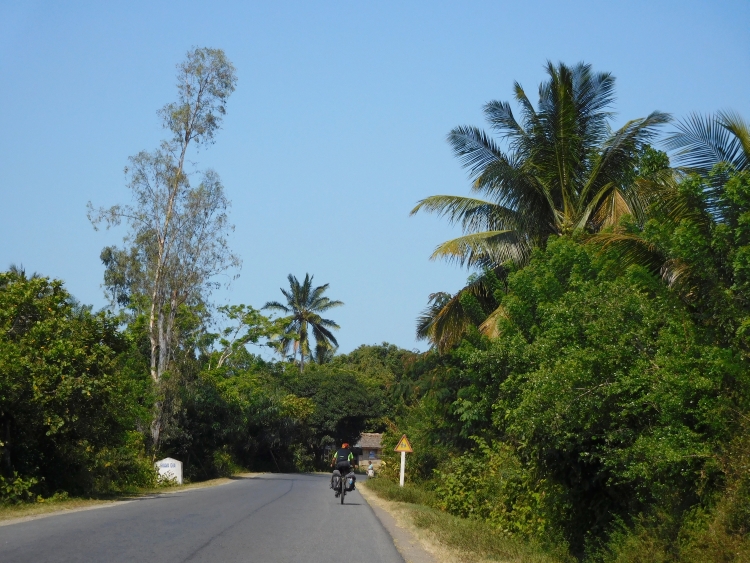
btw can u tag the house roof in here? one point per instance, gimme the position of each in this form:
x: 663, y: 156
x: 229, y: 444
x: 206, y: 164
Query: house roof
x: 370, y: 440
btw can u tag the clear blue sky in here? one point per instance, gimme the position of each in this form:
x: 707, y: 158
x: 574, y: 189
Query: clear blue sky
x: 336, y: 129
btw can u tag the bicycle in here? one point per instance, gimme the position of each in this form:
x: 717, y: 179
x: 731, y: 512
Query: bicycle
x: 340, y: 483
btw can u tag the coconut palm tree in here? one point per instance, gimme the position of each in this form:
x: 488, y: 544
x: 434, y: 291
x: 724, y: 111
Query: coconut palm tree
x: 304, y: 304
x: 563, y: 170
x: 701, y: 142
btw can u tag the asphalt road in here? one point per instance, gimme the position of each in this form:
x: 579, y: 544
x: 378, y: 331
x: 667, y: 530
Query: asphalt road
x: 267, y: 519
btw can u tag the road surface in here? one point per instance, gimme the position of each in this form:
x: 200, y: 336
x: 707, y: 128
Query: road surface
x: 268, y: 519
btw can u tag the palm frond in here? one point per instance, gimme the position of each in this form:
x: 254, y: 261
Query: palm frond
x: 653, y: 192
x: 676, y: 273
x: 500, y: 116
x: 325, y: 304
x: 426, y: 319
x: 489, y: 327
x: 317, y: 292
x: 513, y: 186
x: 740, y: 149
x: 322, y: 334
x: 276, y: 306
x: 594, y: 94
x: 471, y: 213
x: 631, y: 249
x: 290, y: 295
x: 444, y: 322
x: 474, y: 148
x: 327, y: 323
x: 527, y: 108
x: 485, y: 250
x: 620, y: 153
x: 610, y: 211
x: 702, y: 141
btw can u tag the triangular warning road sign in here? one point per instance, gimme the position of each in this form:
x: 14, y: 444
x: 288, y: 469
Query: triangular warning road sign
x: 404, y: 445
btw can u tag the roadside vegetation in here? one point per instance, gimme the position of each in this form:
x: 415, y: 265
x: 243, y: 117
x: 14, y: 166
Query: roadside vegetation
x: 585, y: 396
x: 588, y: 389
x: 473, y: 539
x: 90, y: 399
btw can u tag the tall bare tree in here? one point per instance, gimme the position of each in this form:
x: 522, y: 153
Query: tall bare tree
x: 176, y: 243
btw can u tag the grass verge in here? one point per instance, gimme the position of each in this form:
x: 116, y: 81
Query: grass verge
x: 51, y: 506
x: 469, y: 540
x: 411, y: 494
x: 30, y: 510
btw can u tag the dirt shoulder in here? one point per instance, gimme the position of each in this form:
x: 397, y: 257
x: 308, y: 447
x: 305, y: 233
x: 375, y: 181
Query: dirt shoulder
x: 443, y: 537
x: 415, y: 545
x: 25, y: 512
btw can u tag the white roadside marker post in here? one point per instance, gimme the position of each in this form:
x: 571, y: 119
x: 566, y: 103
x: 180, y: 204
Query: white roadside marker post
x: 403, y: 468
x: 404, y: 447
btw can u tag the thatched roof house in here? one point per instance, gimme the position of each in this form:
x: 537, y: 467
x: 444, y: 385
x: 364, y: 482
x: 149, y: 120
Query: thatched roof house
x: 370, y: 442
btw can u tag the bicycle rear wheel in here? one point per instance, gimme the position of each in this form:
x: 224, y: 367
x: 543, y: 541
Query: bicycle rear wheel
x: 342, y: 484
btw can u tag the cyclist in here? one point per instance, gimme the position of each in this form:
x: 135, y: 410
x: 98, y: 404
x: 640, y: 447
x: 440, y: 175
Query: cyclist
x: 342, y: 461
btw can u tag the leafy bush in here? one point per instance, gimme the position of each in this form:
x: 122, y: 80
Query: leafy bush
x: 492, y: 484
x: 16, y: 489
x: 224, y: 463
x: 302, y: 458
x: 67, y: 401
x: 604, y: 398
x: 122, y: 468
x: 606, y: 386
x: 473, y: 538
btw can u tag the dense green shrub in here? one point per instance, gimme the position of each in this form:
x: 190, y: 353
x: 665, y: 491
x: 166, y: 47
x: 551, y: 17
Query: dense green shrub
x: 224, y: 464
x: 492, y: 484
x: 603, y: 399
x: 123, y: 467
x: 16, y: 489
x: 67, y: 402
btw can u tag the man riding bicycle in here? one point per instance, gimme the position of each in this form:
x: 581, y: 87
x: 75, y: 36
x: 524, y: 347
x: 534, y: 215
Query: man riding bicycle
x: 342, y: 461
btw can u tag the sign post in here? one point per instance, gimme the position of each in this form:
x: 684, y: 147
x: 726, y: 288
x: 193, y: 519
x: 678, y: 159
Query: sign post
x: 404, y: 447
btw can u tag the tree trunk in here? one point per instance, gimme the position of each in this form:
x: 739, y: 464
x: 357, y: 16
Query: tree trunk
x: 160, y: 345
x: 156, y: 425
x: 153, y: 338
x: 6, y: 448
